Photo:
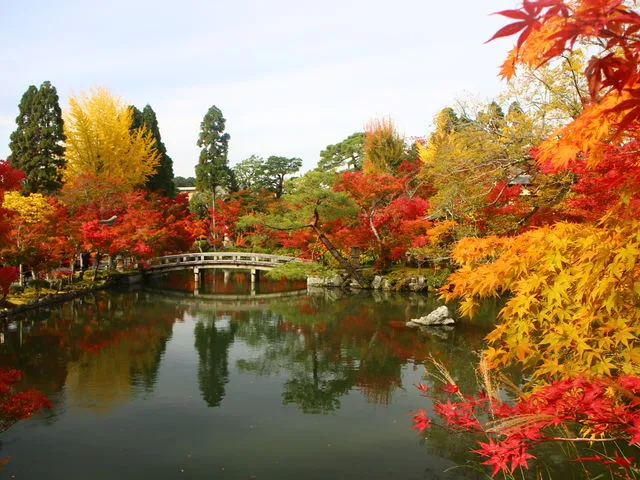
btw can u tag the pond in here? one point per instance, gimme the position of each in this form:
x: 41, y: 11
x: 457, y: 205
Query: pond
x: 155, y: 383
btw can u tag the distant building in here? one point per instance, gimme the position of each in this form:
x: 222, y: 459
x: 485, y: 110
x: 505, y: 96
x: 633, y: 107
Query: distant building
x: 188, y: 190
x: 524, y: 180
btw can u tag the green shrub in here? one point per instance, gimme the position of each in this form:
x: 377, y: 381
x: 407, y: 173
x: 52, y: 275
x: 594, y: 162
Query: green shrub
x: 39, y: 284
x: 300, y: 271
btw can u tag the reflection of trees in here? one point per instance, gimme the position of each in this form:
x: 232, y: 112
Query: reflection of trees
x: 317, y: 380
x: 96, y: 349
x: 380, y: 373
x: 212, y: 345
x: 327, y: 347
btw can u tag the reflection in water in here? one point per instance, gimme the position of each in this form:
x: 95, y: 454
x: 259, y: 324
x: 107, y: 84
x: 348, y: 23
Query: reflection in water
x: 212, y: 344
x: 96, y: 350
x: 228, y: 282
x: 328, y: 347
x: 173, y: 377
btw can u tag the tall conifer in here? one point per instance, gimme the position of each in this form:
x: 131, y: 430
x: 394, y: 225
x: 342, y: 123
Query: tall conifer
x: 162, y: 179
x: 213, y: 169
x: 37, y: 143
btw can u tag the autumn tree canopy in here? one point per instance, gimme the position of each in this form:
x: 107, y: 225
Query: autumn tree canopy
x: 384, y: 148
x: 573, y: 288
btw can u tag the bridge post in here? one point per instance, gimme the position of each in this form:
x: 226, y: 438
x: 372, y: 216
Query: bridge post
x: 196, y: 277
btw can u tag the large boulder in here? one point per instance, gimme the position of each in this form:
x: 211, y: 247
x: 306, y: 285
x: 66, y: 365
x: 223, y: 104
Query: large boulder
x: 440, y: 316
x: 334, y: 281
x: 387, y: 285
x: 315, y: 281
x: 377, y: 282
x: 418, y: 284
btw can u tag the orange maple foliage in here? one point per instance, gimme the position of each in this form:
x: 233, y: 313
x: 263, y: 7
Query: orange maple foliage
x: 573, y: 288
x: 550, y: 28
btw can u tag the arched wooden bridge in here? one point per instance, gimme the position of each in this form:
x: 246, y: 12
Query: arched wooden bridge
x: 222, y: 260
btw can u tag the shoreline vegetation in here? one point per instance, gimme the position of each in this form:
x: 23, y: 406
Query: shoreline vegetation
x: 22, y: 299
x: 407, y: 279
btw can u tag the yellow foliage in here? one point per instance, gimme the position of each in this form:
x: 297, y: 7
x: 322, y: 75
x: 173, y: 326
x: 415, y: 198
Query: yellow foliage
x: 100, y: 143
x: 553, y: 95
x: 587, y: 135
x: 441, y: 230
x: 31, y: 209
x: 573, y: 306
x: 574, y: 290
x: 384, y: 147
x: 470, y: 160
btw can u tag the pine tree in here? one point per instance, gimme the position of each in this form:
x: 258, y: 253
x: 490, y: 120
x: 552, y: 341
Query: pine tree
x: 36, y: 144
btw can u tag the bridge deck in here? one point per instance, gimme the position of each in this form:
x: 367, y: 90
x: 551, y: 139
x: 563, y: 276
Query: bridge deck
x: 259, y: 261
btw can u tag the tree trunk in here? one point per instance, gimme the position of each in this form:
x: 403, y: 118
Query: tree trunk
x: 383, y: 261
x: 95, y: 268
x: 72, y: 265
x: 344, y: 263
x: 213, y: 217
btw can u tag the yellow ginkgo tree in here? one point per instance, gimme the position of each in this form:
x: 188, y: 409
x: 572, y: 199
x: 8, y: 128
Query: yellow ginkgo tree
x: 101, y: 144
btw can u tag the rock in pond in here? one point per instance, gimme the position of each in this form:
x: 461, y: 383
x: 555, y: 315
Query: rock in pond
x: 440, y: 316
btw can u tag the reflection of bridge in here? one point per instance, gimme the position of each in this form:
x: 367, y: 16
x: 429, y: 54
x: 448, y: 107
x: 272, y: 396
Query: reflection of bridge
x: 218, y: 301
x: 223, y: 260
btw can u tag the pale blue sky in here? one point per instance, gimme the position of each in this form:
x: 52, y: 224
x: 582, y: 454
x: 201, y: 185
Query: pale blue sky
x: 289, y: 76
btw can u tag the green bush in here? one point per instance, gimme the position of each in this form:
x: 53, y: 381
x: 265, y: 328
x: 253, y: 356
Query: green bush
x: 299, y: 271
x: 39, y: 284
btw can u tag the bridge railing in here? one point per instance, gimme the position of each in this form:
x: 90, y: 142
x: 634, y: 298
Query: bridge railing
x: 220, y: 258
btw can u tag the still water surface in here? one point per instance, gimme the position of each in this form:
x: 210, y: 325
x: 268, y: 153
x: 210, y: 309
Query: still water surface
x: 157, y: 383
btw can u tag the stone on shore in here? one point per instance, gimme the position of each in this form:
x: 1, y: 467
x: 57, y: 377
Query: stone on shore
x: 334, y: 281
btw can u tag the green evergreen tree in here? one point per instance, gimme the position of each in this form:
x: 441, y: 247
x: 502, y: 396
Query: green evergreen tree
x: 184, y: 182
x: 345, y: 155
x: 250, y: 173
x: 276, y: 169
x: 37, y: 143
x: 136, y: 118
x: 213, y: 171
x: 162, y: 179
